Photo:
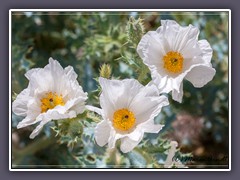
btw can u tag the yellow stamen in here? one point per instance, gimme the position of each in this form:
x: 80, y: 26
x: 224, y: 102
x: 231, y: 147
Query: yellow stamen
x: 123, y: 119
x: 173, y: 62
x: 51, y: 100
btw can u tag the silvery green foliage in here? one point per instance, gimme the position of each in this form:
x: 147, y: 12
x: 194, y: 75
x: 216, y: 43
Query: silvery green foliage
x: 87, y: 41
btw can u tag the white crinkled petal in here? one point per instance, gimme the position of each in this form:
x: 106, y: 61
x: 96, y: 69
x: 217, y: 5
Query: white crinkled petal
x: 167, y: 84
x: 161, y: 82
x: 19, y: 106
x: 200, y: 75
x: 166, y: 24
x: 177, y: 96
x: 26, y: 122
x: 136, y: 134
x: 41, y: 79
x: 151, y: 49
x: 143, y: 45
x: 145, y: 108
x: 206, y: 50
x: 33, y: 110
x: 47, y: 117
x: 69, y: 71
x: 176, y: 36
x: 187, y: 37
x: 53, y: 114
x: 128, y: 144
x: 114, y: 136
x: 94, y: 109
x: 168, y: 32
x: 150, y: 127
x: 63, y: 80
x: 77, y: 104
x: 102, y: 132
x: 106, y: 102
x: 57, y: 114
x: 57, y: 74
x: 54, y: 66
x: 190, y: 51
x: 197, y: 53
x: 37, y: 130
x: 66, y: 111
x: 53, y: 78
x: 71, y: 88
x: 197, y: 74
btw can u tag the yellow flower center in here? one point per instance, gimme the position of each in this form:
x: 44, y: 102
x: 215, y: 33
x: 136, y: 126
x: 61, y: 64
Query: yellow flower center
x: 50, y: 101
x: 123, y: 119
x: 173, y: 62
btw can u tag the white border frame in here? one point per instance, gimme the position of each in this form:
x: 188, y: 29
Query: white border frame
x: 117, y: 10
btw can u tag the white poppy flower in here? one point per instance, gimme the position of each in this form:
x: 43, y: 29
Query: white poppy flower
x: 53, y: 93
x: 128, y: 110
x: 171, y: 161
x: 173, y: 53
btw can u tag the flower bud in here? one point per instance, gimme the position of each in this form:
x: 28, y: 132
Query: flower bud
x: 135, y: 30
x: 105, y: 71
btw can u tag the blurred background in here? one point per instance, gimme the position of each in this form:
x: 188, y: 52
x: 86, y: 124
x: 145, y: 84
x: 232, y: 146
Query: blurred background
x: 86, y: 40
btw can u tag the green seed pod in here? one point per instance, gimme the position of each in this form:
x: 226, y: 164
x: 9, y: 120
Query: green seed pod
x: 75, y: 129
x: 135, y: 30
x: 105, y: 71
x: 69, y: 131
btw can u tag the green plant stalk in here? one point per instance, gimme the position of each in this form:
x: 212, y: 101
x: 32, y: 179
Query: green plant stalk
x: 32, y: 148
x: 143, y: 73
x: 145, y: 155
